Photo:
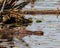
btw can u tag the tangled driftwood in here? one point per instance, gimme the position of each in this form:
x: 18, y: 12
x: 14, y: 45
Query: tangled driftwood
x: 19, y: 32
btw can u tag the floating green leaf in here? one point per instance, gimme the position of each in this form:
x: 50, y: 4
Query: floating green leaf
x: 38, y: 21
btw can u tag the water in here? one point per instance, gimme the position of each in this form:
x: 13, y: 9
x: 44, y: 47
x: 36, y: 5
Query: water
x: 44, y: 4
x: 50, y: 25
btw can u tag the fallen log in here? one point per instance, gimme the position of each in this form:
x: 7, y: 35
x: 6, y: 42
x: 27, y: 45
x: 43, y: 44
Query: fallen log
x: 41, y: 11
x: 32, y: 12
